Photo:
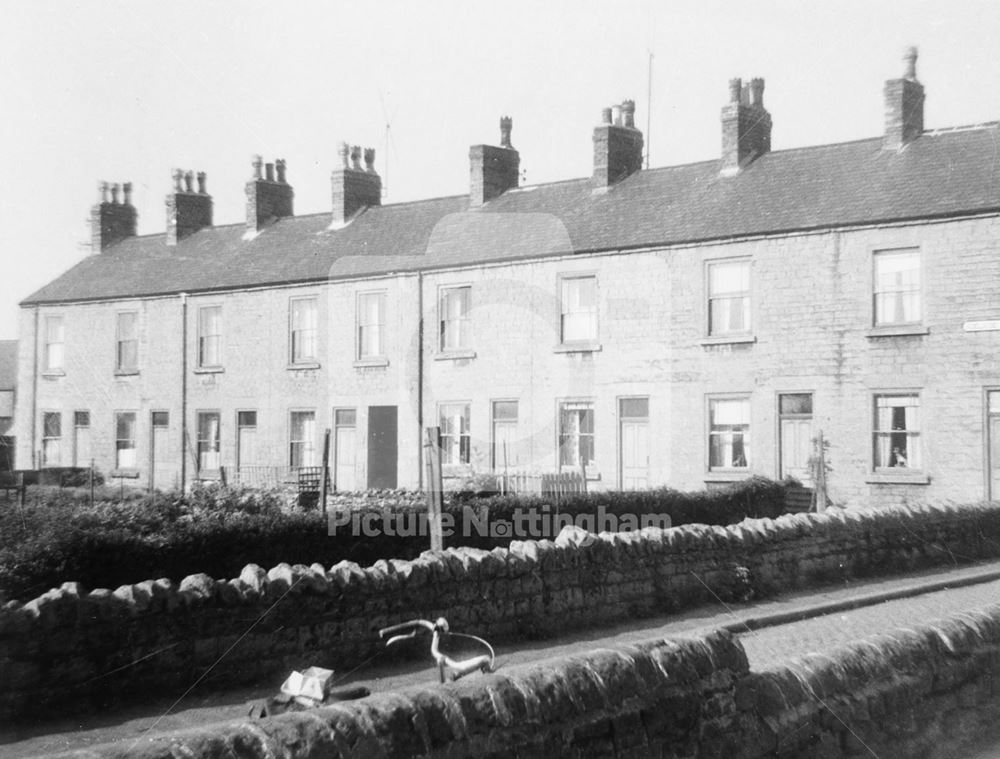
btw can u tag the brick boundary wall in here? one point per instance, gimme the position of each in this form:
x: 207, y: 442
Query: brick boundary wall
x: 927, y: 692
x: 70, y: 650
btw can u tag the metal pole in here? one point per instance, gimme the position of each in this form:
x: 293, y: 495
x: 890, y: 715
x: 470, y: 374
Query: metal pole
x: 432, y: 457
x: 325, y: 471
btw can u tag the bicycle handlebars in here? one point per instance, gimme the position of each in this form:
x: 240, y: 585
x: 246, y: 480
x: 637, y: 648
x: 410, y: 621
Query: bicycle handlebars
x: 458, y: 668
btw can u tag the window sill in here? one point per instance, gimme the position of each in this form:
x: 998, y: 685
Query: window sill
x: 209, y: 370
x: 732, y: 475
x: 124, y: 474
x: 364, y: 363
x: 455, y: 355
x: 901, y: 330
x: 53, y: 373
x: 900, y: 478
x: 582, y: 347
x: 303, y: 366
x: 126, y: 372
x: 728, y: 340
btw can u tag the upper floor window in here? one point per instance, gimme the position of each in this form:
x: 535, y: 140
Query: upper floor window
x: 371, y: 325
x: 728, y: 433
x: 127, y: 342
x: 303, y: 329
x: 54, y: 343
x: 210, y: 336
x: 896, y: 434
x: 456, y: 440
x: 576, y: 434
x: 578, y: 305
x: 897, y: 288
x: 728, y: 298
x: 454, y: 313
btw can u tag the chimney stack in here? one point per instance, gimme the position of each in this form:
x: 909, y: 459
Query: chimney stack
x: 111, y: 219
x: 188, y: 209
x: 904, y: 106
x: 493, y: 170
x: 746, y: 125
x: 268, y: 198
x: 617, y: 145
x: 353, y: 187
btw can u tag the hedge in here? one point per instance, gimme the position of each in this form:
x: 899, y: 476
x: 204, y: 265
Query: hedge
x: 218, y: 531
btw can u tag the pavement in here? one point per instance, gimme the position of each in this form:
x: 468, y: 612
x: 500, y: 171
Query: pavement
x: 772, y: 630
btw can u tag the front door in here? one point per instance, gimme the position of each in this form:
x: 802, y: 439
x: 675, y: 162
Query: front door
x: 163, y: 474
x: 382, y: 447
x: 796, y: 423
x: 344, y: 445
x: 993, y: 444
x: 634, y: 433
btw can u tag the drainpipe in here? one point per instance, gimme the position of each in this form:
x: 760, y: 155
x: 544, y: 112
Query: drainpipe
x: 34, y: 394
x: 420, y: 380
x: 184, y: 311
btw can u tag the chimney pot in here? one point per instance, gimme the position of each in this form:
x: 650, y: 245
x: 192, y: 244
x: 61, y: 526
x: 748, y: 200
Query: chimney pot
x: 757, y: 92
x: 370, y: 160
x: 345, y: 152
x: 279, y: 167
x: 616, y: 115
x: 201, y: 183
x: 269, y: 172
x: 628, y: 111
x: 356, y: 157
x: 189, y: 181
x: 102, y: 192
x: 257, y: 164
x: 735, y: 90
x: 127, y: 193
x: 506, y: 124
x: 910, y: 59
x: 178, y: 176
x: 606, y: 115
x: 904, y: 105
x: 114, y: 193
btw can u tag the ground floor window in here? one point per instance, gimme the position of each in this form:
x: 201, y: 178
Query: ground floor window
x: 302, y: 439
x: 125, y: 451
x: 209, y: 444
x: 456, y: 439
x: 504, y: 435
x: 51, y: 438
x: 728, y: 433
x: 896, y: 434
x: 576, y: 434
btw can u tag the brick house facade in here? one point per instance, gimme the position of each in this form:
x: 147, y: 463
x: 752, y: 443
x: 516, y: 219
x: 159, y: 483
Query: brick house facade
x: 681, y: 326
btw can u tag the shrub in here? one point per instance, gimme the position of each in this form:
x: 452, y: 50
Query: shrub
x: 218, y: 530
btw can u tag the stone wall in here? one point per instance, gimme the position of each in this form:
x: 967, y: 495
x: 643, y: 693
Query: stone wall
x: 69, y: 649
x: 927, y: 692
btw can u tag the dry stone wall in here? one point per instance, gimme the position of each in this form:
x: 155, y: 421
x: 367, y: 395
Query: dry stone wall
x: 928, y: 692
x: 70, y: 649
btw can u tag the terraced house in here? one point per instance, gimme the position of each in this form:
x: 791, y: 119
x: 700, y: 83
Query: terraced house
x: 688, y: 325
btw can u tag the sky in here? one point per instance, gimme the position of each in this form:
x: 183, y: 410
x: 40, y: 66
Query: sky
x: 127, y: 90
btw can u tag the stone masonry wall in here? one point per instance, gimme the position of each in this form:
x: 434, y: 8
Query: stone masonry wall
x: 928, y: 692
x: 69, y: 649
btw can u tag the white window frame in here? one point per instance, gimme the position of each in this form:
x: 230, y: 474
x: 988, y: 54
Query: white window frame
x: 454, y: 329
x: 303, y: 338
x: 55, y: 344
x: 51, y: 443
x: 569, y: 442
x: 572, y: 314
x: 123, y: 361
x: 208, y: 446
x: 302, y: 449
x: 209, y: 343
x: 126, y: 457
x: 370, y: 335
x: 455, y: 439
x: 896, y: 450
x: 897, y: 292
x: 727, y: 433
x: 745, y: 296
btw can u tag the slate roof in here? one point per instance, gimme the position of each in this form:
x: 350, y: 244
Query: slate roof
x: 8, y: 364
x: 944, y: 173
